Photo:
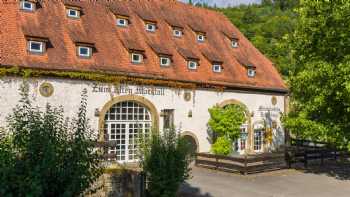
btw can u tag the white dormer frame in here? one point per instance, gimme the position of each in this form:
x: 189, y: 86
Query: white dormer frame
x: 165, y: 61
x: 84, y: 52
x: 200, y: 37
x: 73, y: 12
x: 27, y: 5
x: 177, y: 32
x: 217, y: 68
x: 122, y: 22
x: 251, y: 72
x: 136, y: 57
x: 234, y: 43
x: 192, y: 64
x: 33, y: 44
x: 150, y: 27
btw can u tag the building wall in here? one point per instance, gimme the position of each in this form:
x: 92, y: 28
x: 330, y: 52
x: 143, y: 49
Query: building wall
x: 67, y: 94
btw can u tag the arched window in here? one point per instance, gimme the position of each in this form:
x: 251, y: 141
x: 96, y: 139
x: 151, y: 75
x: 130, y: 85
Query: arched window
x: 125, y: 123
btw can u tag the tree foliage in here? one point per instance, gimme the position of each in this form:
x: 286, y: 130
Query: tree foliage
x: 165, y: 159
x: 45, y: 155
x: 226, y: 123
x: 320, y: 82
x: 267, y: 26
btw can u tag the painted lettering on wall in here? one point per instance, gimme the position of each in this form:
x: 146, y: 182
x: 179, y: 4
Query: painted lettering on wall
x: 125, y: 89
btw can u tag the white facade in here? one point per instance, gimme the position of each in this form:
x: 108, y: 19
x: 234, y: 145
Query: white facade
x: 67, y: 94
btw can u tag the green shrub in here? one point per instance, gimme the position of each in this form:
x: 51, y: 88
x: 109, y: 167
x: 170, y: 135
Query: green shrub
x: 165, y: 160
x: 222, y: 146
x: 45, y: 154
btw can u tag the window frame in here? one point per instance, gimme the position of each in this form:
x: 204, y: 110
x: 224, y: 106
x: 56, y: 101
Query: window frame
x: 22, y: 6
x: 217, y: 71
x: 234, y: 43
x: 251, y: 72
x: 140, y: 61
x: 35, y: 51
x: 151, y: 25
x: 168, y: 61
x: 88, y: 56
x: 122, y: 25
x: 189, y: 62
x: 77, y: 16
x: 177, y: 35
x: 200, y: 36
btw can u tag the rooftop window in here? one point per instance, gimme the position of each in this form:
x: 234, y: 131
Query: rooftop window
x: 151, y: 27
x: 217, y: 68
x: 200, y: 37
x: 192, y: 64
x: 165, y: 61
x: 234, y: 43
x: 136, y: 58
x: 27, y: 6
x: 122, y: 22
x: 177, y: 32
x: 73, y: 13
x: 36, y: 47
x: 84, y: 52
x: 251, y: 72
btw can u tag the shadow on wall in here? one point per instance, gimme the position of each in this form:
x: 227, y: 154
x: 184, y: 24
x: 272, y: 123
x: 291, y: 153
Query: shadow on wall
x: 187, y: 190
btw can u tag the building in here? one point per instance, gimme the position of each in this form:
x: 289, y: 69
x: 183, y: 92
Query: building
x: 145, y: 64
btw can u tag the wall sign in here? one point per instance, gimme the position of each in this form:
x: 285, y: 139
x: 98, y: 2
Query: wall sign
x: 125, y: 89
x: 46, y: 89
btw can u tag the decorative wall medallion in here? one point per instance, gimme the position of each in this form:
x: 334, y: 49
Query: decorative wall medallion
x: 46, y: 89
x: 274, y: 100
x: 187, y: 96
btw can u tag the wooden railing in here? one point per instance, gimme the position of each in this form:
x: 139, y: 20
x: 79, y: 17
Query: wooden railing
x: 242, y: 164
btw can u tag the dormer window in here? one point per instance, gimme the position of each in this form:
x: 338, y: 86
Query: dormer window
x: 37, y: 47
x: 27, y: 6
x: 200, y: 37
x: 234, y: 43
x: 73, y: 12
x: 165, y: 61
x: 84, y: 52
x: 151, y: 27
x: 177, y: 32
x: 251, y: 70
x: 192, y: 65
x: 217, y: 68
x: 136, y: 58
x: 122, y: 21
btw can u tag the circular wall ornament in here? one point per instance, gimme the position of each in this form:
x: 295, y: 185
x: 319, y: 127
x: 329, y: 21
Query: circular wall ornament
x: 187, y: 96
x: 274, y: 100
x: 46, y: 89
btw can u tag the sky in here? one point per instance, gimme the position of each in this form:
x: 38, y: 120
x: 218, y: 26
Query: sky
x: 225, y: 3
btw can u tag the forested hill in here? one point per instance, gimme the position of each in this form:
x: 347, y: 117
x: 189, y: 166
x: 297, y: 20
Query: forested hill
x: 266, y: 26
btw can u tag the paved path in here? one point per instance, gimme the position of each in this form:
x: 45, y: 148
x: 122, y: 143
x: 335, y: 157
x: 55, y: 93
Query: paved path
x: 284, y: 183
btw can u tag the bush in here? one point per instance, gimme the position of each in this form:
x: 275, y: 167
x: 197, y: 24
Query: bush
x: 165, y: 160
x: 46, y: 155
x: 222, y: 146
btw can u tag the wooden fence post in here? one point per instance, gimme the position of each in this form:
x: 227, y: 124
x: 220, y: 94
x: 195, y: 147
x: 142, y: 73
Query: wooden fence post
x: 305, y: 158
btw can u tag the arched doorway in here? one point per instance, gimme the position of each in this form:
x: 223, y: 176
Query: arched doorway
x: 192, y: 141
x: 123, y: 121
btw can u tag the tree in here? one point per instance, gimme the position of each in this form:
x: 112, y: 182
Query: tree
x: 226, y: 123
x: 320, y: 82
x: 45, y: 155
x: 165, y: 160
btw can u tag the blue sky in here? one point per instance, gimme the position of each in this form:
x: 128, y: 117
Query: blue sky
x: 225, y: 3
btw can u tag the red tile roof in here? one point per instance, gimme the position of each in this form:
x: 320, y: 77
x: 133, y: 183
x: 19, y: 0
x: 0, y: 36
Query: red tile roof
x: 97, y: 26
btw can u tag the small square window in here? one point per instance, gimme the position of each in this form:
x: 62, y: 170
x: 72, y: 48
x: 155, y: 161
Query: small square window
x: 251, y: 72
x: 217, y: 68
x: 36, y: 46
x: 27, y: 5
x: 84, y: 52
x: 151, y: 27
x: 165, y: 61
x: 73, y: 13
x: 200, y: 37
x: 122, y: 22
x: 136, y: 58
x: 177, y: 33
x: 192, y: 65
x: 234, y: 43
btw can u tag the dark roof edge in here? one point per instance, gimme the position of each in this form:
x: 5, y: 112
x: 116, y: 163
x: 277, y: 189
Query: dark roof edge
x: 203, y: 85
